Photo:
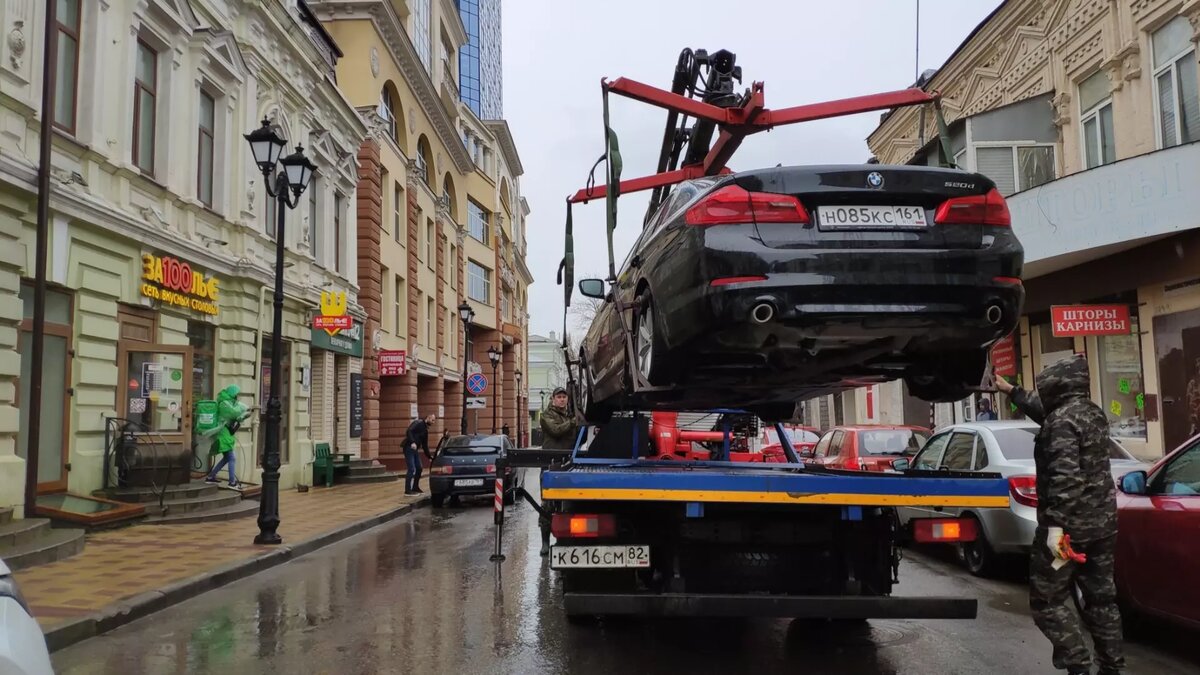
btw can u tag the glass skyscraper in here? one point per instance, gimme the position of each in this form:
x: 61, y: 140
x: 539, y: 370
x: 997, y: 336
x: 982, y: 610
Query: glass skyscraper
x: 479, y: 63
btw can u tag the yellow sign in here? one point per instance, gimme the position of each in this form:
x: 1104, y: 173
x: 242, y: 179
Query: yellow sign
x: 333, y: 316
x: 167, y: 279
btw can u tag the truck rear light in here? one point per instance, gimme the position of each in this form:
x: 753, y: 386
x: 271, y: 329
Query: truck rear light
x: 725, y: 281
x: 1023, y: 490
x: 989, y: 209
x: 580, y: 525
x: 734, y: 205
x: 943, y: 530
x: 441, y: 470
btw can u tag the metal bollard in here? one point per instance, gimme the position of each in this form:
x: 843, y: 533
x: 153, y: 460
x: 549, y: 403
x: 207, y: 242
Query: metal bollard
x: 498, y: 516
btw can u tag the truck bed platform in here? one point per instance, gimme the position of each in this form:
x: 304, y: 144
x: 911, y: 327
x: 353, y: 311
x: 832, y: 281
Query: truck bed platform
x: 781, y: 606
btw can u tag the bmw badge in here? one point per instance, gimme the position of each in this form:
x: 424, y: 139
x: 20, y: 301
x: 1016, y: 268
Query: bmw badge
x: 875, y: 179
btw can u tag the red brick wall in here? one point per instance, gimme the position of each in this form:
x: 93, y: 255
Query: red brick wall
x: 370, y: 293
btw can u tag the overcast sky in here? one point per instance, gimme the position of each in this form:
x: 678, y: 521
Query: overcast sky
x: 556, y: 51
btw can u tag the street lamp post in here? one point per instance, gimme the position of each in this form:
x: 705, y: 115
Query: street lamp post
x: 466, y: 314
x: 494, y: 357
x: 520, y: 412
x: 266, y: 147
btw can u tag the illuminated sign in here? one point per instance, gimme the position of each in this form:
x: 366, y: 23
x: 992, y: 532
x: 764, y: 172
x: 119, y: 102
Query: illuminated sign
x: 173, y: 282
x: 333, y: 317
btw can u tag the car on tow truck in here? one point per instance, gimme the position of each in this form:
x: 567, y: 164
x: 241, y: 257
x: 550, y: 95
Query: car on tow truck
x: 759, y: 289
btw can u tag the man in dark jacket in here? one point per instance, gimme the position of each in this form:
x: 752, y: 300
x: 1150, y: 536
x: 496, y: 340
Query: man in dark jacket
x: 416, y: 437
x: 558, y: 425
x: 1076, y: 498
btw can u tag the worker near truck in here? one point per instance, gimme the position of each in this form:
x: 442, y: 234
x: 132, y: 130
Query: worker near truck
x: 559, y: 431
x: 1077, y: 514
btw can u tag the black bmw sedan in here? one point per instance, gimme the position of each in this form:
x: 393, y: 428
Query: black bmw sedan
x: 763, y: 288
x: 466, y: 466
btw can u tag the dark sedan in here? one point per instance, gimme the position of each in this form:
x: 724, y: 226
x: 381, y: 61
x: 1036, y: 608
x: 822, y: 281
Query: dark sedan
x: 466, y: 466
x: 760, y: 289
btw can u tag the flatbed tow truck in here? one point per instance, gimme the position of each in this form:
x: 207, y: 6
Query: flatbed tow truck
x: 635, y: 535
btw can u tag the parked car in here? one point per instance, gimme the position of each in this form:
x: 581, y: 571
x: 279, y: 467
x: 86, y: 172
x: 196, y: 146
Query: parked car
x: 868, y: 447
x: 22, y: 644
x: 1158, y: 537
x: 804, y: 440
x: 763, y: 288
x: 466, y: 466
x: 1005, y: 448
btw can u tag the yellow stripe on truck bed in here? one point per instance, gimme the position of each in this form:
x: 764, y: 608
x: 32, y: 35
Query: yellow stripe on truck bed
x: 740, y: 497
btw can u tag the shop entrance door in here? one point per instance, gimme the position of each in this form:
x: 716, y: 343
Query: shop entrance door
x: 156, y: 398
x: 54, y: 443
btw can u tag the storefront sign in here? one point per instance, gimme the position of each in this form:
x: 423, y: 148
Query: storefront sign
x: 1004, y: 357
x: 348, y: 342
x: 356, y: 405
x: 392, y: 362
x: 1077, y: 320
x: 333, y: 317
x: 175, y: 283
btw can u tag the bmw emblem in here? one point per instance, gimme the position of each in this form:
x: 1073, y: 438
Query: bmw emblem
x: 875, y: 179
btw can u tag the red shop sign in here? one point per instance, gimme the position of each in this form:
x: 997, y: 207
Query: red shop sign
x: 392, y: 362
x: 1004, y: 357
x: 1076, y: 320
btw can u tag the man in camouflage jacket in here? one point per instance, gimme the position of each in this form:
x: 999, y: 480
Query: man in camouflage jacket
x: 1076, y: 497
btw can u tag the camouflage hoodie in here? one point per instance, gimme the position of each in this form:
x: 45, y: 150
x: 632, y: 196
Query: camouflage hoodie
x: 559, y: 429
x: 1075, y: 487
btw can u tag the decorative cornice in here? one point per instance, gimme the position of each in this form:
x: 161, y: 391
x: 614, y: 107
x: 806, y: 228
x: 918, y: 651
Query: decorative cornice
x: 390, y: 28
x: 499, y: 129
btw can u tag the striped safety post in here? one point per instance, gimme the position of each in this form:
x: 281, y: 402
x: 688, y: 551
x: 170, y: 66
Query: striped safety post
x: 497, y: 556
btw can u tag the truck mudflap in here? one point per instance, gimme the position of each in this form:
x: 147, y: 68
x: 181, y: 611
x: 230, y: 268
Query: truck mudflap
x: 776, y: 606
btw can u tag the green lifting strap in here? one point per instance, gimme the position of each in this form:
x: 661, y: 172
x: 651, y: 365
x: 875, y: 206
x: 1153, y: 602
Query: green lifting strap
x: 943, y: 135
x: 566, y: 270
x: 613, y: 153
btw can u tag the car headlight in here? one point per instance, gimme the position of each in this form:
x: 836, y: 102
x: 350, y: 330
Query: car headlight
x: 8, y: 589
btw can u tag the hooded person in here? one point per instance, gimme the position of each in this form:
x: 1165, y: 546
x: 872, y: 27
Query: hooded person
x: 1076, y: 500
x: 559, y: 428
x: 230, y: 414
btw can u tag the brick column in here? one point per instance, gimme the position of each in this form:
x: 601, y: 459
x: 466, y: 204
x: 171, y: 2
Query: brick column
x: 508, y: 406
x: 370, y: 284
x: 483, y: 339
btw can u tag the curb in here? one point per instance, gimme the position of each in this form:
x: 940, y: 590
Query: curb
x: 135, y: 607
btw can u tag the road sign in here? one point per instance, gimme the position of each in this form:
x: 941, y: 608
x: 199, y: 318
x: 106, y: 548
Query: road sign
x: 474, y: 367
x: 477, y: 403
x: 477, y: 383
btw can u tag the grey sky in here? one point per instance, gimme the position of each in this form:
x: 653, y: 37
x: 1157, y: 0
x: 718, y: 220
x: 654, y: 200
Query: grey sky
x: 556, y: 51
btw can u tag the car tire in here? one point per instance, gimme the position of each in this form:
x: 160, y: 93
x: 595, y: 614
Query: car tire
x: 438, y: 501
x: 596, y: 413
x: 978, y: 556
x: 948, y: 377
x: 649, y: 353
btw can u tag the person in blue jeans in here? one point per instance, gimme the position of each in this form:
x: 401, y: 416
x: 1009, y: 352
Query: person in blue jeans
x: 417, y: 437
x: 230, y: 415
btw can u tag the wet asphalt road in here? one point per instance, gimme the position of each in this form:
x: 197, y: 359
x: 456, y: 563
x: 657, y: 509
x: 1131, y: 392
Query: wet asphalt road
x: 419, y: 596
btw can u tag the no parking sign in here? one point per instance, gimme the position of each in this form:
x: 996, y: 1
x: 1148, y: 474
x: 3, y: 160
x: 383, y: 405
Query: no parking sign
x: 477, y: 383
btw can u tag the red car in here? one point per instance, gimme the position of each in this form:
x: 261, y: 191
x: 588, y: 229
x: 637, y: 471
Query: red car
x: 868, y: 447
x: 804, y: 440
x: 1158, y: 537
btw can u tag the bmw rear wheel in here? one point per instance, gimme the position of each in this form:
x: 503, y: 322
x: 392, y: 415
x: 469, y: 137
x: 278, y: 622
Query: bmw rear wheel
x: 648, y: 360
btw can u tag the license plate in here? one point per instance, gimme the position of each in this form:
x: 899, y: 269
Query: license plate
x: 870, y: 217
x: 574, y: 557
x: 469, y: 482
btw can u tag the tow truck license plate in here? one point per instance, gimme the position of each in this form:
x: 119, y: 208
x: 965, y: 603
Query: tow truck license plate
x: 569, y: 557
x: 870, y: 217
x: 469, y: 482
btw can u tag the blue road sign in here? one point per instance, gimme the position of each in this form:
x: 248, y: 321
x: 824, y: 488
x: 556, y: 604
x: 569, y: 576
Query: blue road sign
x: 476, y: 383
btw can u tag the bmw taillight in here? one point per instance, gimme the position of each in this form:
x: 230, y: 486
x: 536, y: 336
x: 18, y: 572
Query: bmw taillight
x: 988, y: 209
x: 1023, y: 490
x: 734, y: 205
x: 491, y: 468
x: 576, y: 525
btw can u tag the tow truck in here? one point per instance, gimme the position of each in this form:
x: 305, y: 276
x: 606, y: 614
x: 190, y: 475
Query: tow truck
x: 638, y: 533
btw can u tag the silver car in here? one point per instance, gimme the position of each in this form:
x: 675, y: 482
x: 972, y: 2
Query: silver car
x: 1005, y: 448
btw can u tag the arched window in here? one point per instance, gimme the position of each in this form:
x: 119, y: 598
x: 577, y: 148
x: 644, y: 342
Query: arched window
x: 387, y: 110
x: 425, y: 161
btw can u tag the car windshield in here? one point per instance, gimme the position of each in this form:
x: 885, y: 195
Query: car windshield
x: 794, y: 435
x: 465, y: 445
x: 1018, y: 444
x: 891, y: 442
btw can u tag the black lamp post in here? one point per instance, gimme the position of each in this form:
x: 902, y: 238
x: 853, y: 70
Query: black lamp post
x: 521, y: 412
x: 466, y: 314
x: 494, y: 357
x: 266, y: 147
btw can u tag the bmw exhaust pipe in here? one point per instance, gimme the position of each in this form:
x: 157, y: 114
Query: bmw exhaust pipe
x: 994, y: 314
x: 762, y: 312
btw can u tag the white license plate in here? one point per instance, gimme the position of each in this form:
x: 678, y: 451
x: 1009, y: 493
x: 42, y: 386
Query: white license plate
x: 572, y: 557
x: 469, y: 482
x: 871, y: 217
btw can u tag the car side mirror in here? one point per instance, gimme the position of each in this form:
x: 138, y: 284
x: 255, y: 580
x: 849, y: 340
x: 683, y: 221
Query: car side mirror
x: 900, y: 464
x: 1134, y: 483
x: 592, y: 288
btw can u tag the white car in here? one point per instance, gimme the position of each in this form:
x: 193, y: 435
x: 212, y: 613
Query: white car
x: 1005, y: 448
x: 22, y: 644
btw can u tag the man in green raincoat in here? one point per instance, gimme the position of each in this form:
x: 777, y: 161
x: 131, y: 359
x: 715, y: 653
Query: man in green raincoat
x: 230, y: 414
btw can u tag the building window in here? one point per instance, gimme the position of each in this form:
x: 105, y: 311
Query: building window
x: 420, y: 308
x: 430, y: 256
x: 1177, y: 92
x: 314, y: 231
x: 447, y: 68
x: 66, y: 77
x: 452, y: 266
x: 398, y: 309
x: 203, y: 339
x: 384, y: 179
x: 204, y: 143
x: 468, y: 57
x: 1121, y: 383
x: 387, y: 110
x: 1096, y: 114
x: 398, y: 215
x: 477, y: 221
x: 145, y: 92
x: 1015, y: 168
x: 425, y: 161
x: 479, y: 282
x: 504, y: 307
x: 422, y: 25
x: 337, y: 232
x: 429, y: 323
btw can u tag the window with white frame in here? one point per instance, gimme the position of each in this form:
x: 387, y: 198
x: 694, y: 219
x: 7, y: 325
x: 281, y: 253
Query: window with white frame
x: 1096, y: 117
x: 479, y: 283
x: 430, y: 243
x: 387, y: 111
x: 1014, y: 168
x: 430, y: 323
x: 205, y: 143
x: 398, y: 225
x: 422, y: 24
x: 314, y: 220
x: 420, y: 308
x: 145, y: 102
x: 1177, y: 92
x: 452, y: 266
x: 66, y: 80
x: 338, y: 201
x: 401, y: 301
x: 477, y: 221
